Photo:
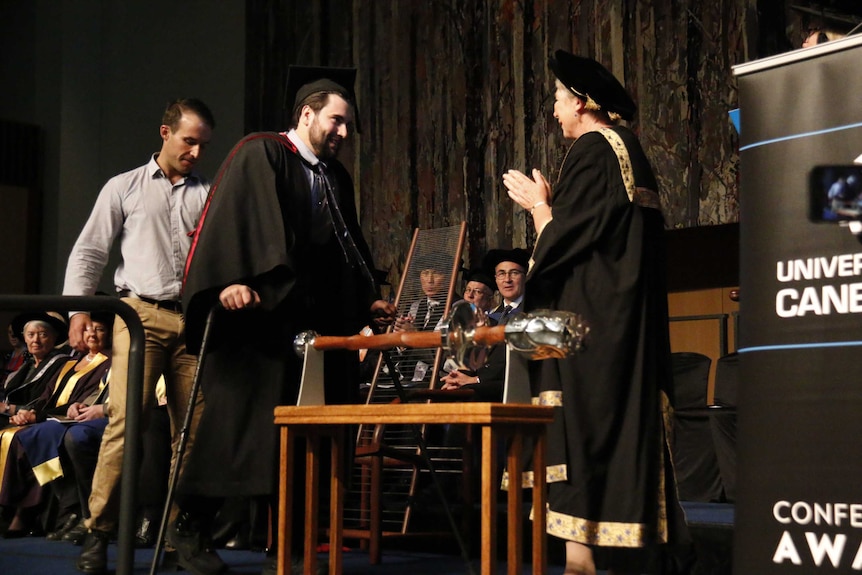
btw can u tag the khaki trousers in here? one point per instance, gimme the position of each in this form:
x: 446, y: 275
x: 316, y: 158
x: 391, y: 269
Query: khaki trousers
x: 165, y: 354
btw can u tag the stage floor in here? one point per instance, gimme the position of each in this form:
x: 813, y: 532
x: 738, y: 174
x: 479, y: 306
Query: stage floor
x: 711, y: 527
x: 35, y: 556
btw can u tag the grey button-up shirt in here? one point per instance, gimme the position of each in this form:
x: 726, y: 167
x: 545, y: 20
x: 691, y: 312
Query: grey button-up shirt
x: 155, y: 221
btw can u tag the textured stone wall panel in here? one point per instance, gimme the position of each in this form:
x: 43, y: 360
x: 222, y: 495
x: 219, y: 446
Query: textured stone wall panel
x: 454, y: 92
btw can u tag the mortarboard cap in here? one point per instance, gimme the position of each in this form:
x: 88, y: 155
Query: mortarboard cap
x: 589, y: 80
x: 303, y: 81
x: 481, y: 276
x: 519, y: 256
x: 52, y: 318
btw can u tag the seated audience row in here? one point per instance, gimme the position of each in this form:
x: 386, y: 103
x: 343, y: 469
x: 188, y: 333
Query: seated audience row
x: 47, y: 401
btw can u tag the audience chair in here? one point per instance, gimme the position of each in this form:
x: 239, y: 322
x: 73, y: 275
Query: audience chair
x: 389, y: 472
x: 692, y: 448
x: 722, y: 419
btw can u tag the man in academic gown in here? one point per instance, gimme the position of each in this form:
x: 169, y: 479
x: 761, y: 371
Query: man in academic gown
x: 278, y: 250
x: 509, y: 269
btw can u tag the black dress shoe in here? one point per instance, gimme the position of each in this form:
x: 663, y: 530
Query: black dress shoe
x: 94, y: 555
x: 76, y: 534
x: 238, y: 541
x: 170, y: 562
x: 67, y: 525
x: 195, y: 551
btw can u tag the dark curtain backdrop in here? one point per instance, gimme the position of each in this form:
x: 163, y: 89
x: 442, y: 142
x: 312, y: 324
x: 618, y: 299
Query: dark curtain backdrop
x: 452, y: 93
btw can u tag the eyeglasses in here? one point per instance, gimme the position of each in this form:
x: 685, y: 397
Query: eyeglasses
x: 477, y: 291
x: 511, y: 274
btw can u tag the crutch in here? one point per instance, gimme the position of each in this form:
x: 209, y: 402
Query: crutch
x: 181, y: 447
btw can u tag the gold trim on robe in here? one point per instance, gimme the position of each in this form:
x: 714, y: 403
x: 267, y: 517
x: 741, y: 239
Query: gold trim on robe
x: 6, y: 436
x: 549, y: 398
x: 48, y: 471
x: 69, y: 387
x: 643, y: 197
x: 601, y: 533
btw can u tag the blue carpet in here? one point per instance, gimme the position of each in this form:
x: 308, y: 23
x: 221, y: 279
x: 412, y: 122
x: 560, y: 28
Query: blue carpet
x: 719, y: 515
x: 37, y: 556
x: 711, y: 525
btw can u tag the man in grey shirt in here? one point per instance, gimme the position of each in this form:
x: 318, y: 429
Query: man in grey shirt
x: 154, y: 210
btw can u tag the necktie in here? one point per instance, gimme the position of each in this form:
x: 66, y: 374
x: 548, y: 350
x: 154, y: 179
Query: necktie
x: 421, y: 314
x: 321, y: 218
x: 342, y: 234
x: 504, y: 314
x: 435, y: 311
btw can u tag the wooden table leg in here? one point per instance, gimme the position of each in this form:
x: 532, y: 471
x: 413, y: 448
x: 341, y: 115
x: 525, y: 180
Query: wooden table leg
x: 540, y: 512
x: 515, y: 542
x: 489, y: 501
x: 312, y: 497
x: 285, y: 500
x: 336, y: 505
x: 375, y: 526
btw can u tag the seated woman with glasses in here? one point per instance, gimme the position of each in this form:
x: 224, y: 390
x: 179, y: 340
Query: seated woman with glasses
x: 479, y: 290
x: 486, y: 383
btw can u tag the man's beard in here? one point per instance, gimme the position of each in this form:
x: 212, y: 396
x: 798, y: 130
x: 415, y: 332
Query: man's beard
x: 320, y: 143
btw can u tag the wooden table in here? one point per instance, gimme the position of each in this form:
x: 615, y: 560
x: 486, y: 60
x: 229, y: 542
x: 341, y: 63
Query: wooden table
x: 497, y: 421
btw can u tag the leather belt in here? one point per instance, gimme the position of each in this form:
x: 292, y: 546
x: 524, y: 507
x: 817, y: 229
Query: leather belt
x: 171, y: 305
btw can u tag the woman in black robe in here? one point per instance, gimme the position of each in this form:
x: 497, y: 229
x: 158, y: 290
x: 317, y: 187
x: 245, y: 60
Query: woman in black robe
x: 600, y: 253
x: 41, y: 332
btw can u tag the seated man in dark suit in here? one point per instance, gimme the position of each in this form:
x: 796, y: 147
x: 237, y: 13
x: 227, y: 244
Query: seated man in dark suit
x: 509, y: 269
x: 425, y: 313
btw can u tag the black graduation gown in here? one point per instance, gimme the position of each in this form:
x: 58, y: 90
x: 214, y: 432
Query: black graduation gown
x: 255, y: 230
x: 89, y: 379
x: 20, y: 391
x: 602, y: 256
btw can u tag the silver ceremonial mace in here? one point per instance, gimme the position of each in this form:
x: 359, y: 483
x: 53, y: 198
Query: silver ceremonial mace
x: 542, y: 334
